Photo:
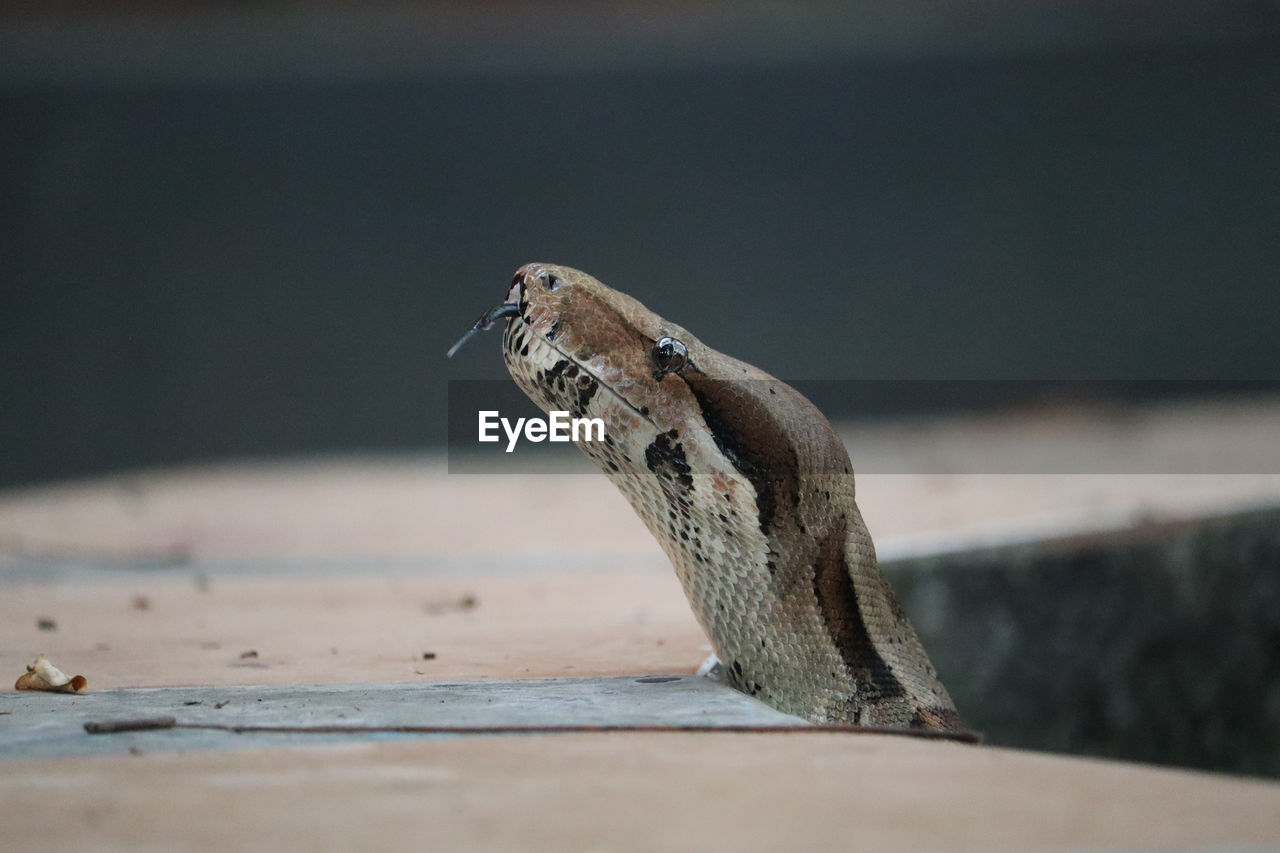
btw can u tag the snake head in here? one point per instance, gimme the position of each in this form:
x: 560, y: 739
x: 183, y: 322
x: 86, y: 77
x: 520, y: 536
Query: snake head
x: 611, y: 333
x: 568, y: 336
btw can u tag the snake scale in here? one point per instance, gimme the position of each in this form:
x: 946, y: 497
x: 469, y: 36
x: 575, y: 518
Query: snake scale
x: 747, y: 488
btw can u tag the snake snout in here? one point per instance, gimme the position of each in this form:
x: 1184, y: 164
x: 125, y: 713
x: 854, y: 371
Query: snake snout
x: 535, y: 275
x: 515, y: 293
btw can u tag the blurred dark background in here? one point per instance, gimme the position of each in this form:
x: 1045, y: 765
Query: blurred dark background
x: 232, y: 230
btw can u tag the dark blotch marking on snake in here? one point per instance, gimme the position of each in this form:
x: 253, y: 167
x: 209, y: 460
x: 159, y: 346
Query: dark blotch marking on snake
x: 754, y: 443
x: 667, y: 460
x: 582, y: 392
x: 842, y: 616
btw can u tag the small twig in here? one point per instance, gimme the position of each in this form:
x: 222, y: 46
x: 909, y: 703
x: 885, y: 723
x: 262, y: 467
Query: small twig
x: 137, y: 724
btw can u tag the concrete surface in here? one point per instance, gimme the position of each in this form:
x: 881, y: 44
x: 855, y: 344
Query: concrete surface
x: 345, y: 572
x: 644, y: 791
x: 45, y: 725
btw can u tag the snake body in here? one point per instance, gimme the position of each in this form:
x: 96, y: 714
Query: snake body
x: 747, y: 488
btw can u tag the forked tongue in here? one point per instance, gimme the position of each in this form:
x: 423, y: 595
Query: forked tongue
x: 485, y: 323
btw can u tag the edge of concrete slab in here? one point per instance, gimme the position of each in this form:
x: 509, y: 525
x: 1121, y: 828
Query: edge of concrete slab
x: 43, y: 725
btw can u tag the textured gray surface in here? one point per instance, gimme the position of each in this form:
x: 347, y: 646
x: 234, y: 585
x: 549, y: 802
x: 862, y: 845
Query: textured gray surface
x: 1158, y: 643
x: 41, y: 725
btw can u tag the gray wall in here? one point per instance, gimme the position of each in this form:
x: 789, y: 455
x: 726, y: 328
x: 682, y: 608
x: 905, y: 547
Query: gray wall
x: 258, y: 234
x: 1156, y: 643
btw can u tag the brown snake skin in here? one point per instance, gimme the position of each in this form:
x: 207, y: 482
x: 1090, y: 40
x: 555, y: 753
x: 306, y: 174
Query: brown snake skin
x: 747, y: 488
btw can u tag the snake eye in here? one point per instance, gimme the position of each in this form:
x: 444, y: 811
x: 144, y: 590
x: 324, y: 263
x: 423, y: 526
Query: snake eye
x: 551, y: 281
x: 669, y: 356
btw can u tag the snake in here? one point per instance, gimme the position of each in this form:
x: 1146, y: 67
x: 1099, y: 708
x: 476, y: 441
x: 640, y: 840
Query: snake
x: 747, y: 488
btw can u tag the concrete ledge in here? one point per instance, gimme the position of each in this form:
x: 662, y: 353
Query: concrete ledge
x: 45, y: 725
x: 629, y: 791
x: 1154, y: 642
